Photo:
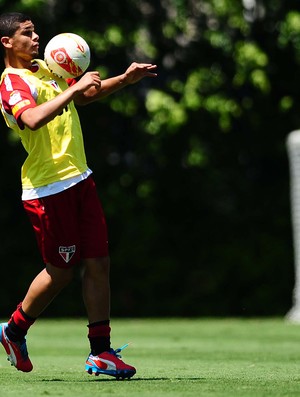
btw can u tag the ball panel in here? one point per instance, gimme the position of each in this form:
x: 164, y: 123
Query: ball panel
x: 62, y: 59
x: 67, y: 55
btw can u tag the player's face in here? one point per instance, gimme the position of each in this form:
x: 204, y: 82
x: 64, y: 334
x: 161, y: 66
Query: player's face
x: 24, y: 42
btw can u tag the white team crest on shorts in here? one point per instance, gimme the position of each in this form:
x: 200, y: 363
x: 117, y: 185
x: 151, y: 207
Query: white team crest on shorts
x: 67, y: 252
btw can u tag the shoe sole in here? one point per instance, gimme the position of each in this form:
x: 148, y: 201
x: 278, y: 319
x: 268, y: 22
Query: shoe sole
x: 122, y: 374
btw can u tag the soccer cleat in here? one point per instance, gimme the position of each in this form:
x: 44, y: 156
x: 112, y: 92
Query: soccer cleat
x: 16, y: 351
x: 109, y: 363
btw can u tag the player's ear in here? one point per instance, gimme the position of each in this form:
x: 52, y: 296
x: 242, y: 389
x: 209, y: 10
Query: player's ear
x: 6, y: 42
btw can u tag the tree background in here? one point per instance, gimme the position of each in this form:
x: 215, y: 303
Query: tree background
x: 191, y: 167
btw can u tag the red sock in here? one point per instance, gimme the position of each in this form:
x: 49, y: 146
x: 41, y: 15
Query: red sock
x: 99, y: 337
x: 19, y: 324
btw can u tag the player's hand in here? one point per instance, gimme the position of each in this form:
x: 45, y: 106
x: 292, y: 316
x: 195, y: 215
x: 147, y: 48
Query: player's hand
x: 88, y: 80
x: 137, y: 71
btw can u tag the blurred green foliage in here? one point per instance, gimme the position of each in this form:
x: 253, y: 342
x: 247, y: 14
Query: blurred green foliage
x: 191, y: 166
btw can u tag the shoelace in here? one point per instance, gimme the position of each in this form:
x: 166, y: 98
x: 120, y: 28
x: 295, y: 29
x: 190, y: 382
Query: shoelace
x: 117, y: 351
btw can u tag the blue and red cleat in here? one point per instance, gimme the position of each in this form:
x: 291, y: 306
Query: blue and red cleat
x: 17, y: 352
x: 109, y: 363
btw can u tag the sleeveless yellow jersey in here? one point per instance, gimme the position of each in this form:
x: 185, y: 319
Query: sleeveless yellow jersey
x: 56, y: 150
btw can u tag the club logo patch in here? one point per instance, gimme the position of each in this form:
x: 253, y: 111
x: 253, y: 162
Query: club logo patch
x: 14, y: 98
x: 67, y: 252
x: 54, y: 84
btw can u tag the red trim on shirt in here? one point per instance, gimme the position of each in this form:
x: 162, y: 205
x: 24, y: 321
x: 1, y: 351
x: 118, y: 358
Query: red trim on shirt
x: 16, y: 97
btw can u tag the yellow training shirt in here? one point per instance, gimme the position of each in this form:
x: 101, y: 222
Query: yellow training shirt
x: 56, y: 150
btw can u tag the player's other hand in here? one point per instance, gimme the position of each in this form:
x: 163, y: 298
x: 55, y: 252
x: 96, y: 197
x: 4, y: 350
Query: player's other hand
x: 137, y: 71
x: 88, y: 80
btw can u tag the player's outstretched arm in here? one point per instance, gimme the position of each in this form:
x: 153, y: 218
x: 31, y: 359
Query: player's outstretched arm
x: 134, y: 73
x: 40, y: 115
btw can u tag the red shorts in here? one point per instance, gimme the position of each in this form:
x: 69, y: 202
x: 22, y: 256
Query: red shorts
x: 70, y: 225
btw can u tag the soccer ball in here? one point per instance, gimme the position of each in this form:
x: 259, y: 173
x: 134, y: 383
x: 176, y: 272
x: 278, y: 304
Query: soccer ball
x: 67, y: 55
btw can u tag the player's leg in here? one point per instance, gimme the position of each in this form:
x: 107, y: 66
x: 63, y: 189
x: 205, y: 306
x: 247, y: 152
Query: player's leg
x: 96, y: 289
x: 96, y: 294
x: 54, y: 222
x: 43, y: 289
x: 96, y: 297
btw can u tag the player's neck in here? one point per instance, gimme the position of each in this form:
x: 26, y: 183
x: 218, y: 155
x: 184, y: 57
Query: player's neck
x: 17, y: 63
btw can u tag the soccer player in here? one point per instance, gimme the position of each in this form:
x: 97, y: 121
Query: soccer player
x: 58, y: 191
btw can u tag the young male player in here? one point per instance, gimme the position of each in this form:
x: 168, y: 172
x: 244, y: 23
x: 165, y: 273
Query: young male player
x: 58, y: 191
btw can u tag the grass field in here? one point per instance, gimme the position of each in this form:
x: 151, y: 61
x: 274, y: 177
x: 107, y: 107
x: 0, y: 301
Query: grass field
x: 173, y: 357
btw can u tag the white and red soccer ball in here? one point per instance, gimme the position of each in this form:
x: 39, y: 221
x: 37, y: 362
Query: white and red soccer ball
x: 67, y: 55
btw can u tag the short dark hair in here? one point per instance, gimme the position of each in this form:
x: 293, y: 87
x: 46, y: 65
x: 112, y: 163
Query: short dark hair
x: 10, y: 22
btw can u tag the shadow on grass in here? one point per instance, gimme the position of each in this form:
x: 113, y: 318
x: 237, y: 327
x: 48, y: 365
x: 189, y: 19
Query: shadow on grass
x: 122, y: 380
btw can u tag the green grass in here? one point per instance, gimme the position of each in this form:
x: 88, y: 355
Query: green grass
x: 173, y: 357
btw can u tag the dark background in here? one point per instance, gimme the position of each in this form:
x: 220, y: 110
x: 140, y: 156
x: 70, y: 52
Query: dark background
x: 191, y: 167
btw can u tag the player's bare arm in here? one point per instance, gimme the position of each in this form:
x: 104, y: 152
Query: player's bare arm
x: 134, y: 73
x: 40, y: 115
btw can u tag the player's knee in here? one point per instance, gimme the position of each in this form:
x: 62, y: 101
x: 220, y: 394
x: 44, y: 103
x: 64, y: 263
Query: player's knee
x: 58, y: 276
x: 97, y: 267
